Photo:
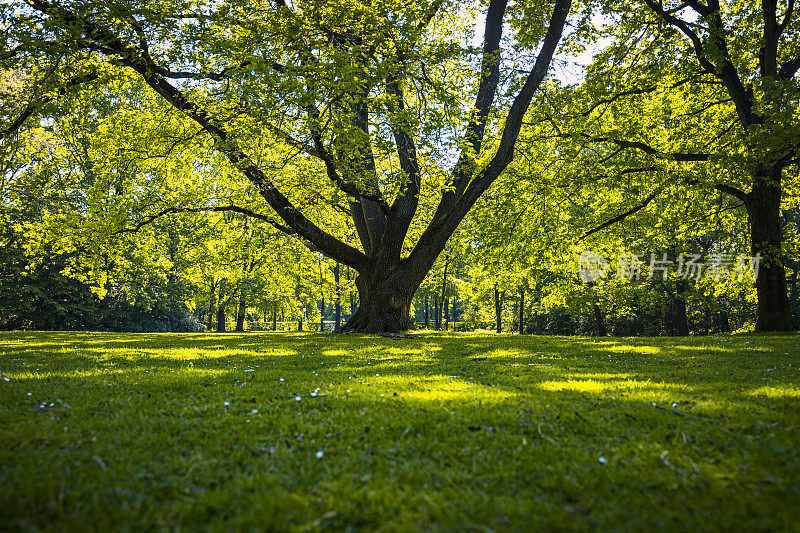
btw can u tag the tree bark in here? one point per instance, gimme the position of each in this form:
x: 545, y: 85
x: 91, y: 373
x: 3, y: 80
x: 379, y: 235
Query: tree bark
x: 221, y: 325
x: 322, y: 315
x: 599, y: 321
x: 521, y: 311
x: 441, y: 314
x: 212, y: 297
x: 338, y: 307
x: 498, y: 309
x: 383, y: 306
x: 763, y: 207
x: 425, y: 312
x: 680, y: 318
x: 242, y: 312
x: 221, y: 319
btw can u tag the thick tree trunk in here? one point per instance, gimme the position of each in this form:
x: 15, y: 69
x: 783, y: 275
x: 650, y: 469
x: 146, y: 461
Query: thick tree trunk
x: 383, y: 306
x: 764, y: 211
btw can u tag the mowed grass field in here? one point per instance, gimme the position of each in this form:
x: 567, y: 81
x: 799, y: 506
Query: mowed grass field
x: 439, y: 432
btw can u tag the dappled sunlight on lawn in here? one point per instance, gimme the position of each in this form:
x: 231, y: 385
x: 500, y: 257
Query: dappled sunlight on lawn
x: 606, y: 383
x: 229, y: 419
x: 785, y: 392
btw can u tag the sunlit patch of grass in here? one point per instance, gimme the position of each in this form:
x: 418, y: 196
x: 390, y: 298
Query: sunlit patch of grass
x: 789, y: 392
x: 441, y: 431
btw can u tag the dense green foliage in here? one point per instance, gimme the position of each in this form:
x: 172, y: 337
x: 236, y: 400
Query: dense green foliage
x: 248, y: 161
x: 437, y: 432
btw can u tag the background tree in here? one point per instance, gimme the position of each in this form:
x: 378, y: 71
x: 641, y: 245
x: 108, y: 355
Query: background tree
x: 693, y: 94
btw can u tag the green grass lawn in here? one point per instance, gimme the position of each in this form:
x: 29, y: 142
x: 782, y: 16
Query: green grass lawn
x: 306, y: 432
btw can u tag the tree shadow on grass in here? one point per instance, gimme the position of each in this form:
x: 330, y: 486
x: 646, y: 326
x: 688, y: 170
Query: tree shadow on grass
x: 209, y: 434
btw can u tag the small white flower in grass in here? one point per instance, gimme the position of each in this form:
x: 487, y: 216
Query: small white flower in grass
x: 674, y: 404
x: 29, y: 394
x: 281, y: 379
x: 297, y: 398
x: 320, y: 454
x: 226, y: 403
x: 254, y: 411
x: 313, y: 394
x: 602, y: 460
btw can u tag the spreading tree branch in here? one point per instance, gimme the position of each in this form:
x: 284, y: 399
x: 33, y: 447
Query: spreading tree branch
x: 134, y: 58
x: 619, y: 218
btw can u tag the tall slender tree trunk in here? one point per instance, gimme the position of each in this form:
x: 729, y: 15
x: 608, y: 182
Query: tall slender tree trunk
x: 679, y: 317
x: 212, y: 299
x: 498, y: 309
x: 425, y: 312
x: 221, y: 325
x: 599, y: 320
x: 322, y: 315
x: 453, y: 311
x: 774, y: 313
x: 521, y: 311
x: 442, y: 310
x: 221, y: 319
x: 241, y: 314
x: 275, y: 317
x: 446, y: 308
x: 337, y: 317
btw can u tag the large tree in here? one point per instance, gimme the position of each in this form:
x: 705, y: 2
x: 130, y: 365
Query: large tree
x: 700, y: 94
x: 355, y: 86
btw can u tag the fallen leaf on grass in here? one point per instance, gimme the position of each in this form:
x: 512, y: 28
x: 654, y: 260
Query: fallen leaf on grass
x: 326, y: 516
